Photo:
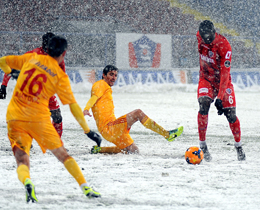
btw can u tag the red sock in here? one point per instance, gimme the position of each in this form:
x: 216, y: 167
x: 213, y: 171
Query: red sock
x: 202, y: 126
x: 235, y: 128
x: 58, y: 127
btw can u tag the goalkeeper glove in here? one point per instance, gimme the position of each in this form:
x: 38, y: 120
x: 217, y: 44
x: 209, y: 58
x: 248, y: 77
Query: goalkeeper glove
x: 218, y: 104
x: 95, y: 137
x: 3, y: 92
x: 15, y: 74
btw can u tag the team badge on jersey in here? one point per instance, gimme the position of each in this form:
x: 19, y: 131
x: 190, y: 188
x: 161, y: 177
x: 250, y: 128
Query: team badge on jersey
x: 211, y: 54
x: 229, y: 91
x: 227, y: 64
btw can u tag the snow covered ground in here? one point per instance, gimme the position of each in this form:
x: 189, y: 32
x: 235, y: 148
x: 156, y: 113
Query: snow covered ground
x: 158, y: 178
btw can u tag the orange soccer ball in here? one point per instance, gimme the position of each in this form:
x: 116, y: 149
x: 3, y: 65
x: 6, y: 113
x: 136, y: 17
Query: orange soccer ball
x: 194, y: 155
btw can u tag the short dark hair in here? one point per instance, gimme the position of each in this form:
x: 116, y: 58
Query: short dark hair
x: 57, y: 45
x: 109, y: 68
x: 45, y: 40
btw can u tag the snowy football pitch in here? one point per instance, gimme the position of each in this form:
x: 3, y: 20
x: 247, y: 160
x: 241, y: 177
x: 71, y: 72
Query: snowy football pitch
x: 158, y: 178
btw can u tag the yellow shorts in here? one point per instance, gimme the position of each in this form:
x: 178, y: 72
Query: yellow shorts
x: 117, y: 133
x: 21, y: 134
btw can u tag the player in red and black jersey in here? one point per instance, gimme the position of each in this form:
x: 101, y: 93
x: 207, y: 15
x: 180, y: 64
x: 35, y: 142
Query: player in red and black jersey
x: 215, y: 82
x: 53, y: 103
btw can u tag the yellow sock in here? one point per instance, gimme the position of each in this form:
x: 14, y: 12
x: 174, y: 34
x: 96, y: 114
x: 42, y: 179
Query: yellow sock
x: 23, y: 173
x: 73, y: 168
x: 110, y: 150
x: 150, y: 124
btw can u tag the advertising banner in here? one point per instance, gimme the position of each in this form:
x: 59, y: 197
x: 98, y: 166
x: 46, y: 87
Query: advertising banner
x: 149, y: 77
x: 241, y: 79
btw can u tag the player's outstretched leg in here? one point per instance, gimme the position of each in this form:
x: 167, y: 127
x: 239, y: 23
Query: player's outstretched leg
x: 173, y: 134
x: 30, y: 191
x: 205, y: 150
x: 240, y: 153
x: 89, y: 192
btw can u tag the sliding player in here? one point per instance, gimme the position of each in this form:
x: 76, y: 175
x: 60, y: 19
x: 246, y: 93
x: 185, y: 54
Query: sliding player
x: 116, y: 130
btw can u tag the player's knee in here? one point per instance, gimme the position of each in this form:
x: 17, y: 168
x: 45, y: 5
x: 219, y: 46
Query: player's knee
x: 56, y: 116
x: 232, y: 118
x: 204, y: 105
x: 61, y: 154
x: 230, y: 115
x: 139, y: 114
x: 132, y: 149
x: 138, y: 111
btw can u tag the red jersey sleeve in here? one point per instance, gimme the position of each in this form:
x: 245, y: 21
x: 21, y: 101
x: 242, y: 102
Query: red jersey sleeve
x: 62, y: 65
x: 38, y: 50
x: 199, y: 41
x: 6, y: 79
x: 225, y: 53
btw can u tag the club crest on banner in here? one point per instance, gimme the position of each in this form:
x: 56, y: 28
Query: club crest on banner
x: 144, y: 53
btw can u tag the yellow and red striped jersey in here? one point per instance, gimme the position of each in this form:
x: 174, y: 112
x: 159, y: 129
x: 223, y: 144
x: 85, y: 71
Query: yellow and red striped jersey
x: 40, y: 78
